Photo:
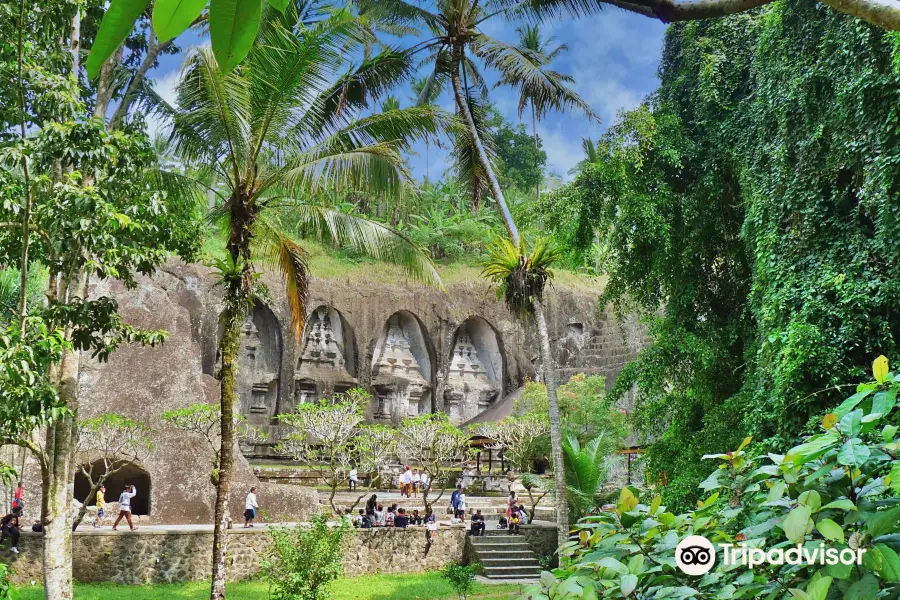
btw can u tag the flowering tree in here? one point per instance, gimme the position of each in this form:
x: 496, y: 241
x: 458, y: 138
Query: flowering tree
x: 112, y: 441
x: 324, y: 436
x: 376, y: 448
x: 437, y: 446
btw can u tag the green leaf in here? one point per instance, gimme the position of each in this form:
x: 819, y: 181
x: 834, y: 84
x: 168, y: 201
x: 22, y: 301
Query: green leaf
x: 854, y: 452
x: 612, y: 564
x: 280, y: 5
x: 884, y: 402
x: 895, y: 477
x: 889, y: 568
x: 233, y: 25
x: 883, y: 522
x: 627, y: 501
x: 830, y: 530
x: 864, y: 589
x: 818, y: 588
x: 628, y: 584
x: 115, y: 27
x: 851, y: 403
x: 851, y: 423
x: 172, y: 17
x: 795, y: 523
x: 843, y: 504
x: 812, y: 499
x: 888, y: 433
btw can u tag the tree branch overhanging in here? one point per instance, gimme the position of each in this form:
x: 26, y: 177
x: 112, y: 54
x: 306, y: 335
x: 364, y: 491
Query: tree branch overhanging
x: 883, y: 13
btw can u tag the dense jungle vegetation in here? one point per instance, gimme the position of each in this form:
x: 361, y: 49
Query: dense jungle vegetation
x: 750, y: 208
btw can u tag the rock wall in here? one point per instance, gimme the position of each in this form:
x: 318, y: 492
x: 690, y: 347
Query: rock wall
x: 170, y: 556
x: 416, y: 348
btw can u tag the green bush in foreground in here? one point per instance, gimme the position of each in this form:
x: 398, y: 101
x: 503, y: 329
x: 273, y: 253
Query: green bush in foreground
x: 838, y: 489
x: 461, y: 578
x: 303, y: 561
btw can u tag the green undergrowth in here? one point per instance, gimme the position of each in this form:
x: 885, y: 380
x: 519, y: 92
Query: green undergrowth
x: 424, y: 586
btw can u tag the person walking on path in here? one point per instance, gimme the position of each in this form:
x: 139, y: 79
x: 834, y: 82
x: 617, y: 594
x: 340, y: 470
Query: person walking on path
x: 125, y: 507
x: 250, y: 508
x: 353, y: 479
x: 101, y: 496
x: 9, y: 527
x: 416, y: 483
x: 406, y: 482
x: 461, y: 506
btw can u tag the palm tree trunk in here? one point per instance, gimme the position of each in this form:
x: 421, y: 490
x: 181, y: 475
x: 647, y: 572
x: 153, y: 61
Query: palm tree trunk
x: 556, y: 449
x: 549, y: 372
x: 230, y: 346
x: 512, y: 230
x: 426, y: 161
x: 534, y: 134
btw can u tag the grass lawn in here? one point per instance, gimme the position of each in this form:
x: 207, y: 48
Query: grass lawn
x: 424, y: 586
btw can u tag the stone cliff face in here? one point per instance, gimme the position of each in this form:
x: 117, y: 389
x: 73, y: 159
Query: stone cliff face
x: 418, y: 350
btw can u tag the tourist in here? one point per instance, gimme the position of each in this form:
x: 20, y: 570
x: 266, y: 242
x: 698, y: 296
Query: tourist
x: 366, y: 522
x: 406, y: 482
x: 523, y: 514
x: 353, y: 479
x: 358, y: 519
x: 461, y: 506
x: 416, y: 483
x: 379, y: 516
x: 347, y: 517
x: 250, y: 508
x: 9, y: 527
x: 125, y: 506
x: 514, y: 521
x: 511, y: 504
x: 371, y: 504
x: 431, y: 525
x: 416, y: 518
x: 401, y: 520
x: 18, y: 503
x: 424, y: 485
x: 454, y: 500
x: 389, y: 516
x: 99, y: 502
x: 37, y: 527
x: 478, y: 523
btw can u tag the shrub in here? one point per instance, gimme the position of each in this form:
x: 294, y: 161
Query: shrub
x: 461, y: 578
x: 836, y: 489
x: 7, y: 589
x: 302, y: 561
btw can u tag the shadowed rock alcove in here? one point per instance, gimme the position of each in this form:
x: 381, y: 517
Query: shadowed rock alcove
x: 475, y: 376
x: 403, y: 368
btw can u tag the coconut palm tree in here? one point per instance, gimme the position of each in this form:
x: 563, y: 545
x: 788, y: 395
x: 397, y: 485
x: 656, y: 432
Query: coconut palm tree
x: 534, y: 91
x: 278, y: 132
x: 456, y: 37
x: 586, y: 472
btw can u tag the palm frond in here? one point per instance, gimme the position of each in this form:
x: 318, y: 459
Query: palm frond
x: 364, y: 236
x: 275, y: 250
x: 525, y: 69
x: 521, y: 278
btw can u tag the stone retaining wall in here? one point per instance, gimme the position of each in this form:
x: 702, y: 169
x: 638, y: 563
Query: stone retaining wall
x: 149, y: 556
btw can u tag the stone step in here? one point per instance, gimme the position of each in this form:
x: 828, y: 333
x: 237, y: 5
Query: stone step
x: 511, y: 572
x: 490, y: 563
x: 498, y: 538
x: 491, y: 554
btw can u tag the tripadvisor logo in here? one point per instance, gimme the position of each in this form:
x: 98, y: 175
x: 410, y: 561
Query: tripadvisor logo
x: 696, y: 555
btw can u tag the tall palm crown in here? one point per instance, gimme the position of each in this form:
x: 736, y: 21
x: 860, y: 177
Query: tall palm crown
x: 282, y: 129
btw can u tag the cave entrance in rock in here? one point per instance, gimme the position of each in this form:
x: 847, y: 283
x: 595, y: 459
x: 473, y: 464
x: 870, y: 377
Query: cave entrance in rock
x: 130, y: 474
x: 476, y: 372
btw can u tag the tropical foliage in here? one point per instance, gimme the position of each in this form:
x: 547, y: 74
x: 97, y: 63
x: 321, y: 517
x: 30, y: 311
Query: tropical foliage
x: 836, y: 489
x: 748, y: 210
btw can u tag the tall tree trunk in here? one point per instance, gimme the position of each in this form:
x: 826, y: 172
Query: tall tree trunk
x: 511, y: 229
x: 230, y: 347
x: 535, y: 136
x: 556, y: 450
x: 26, y: 211
x: 549, y: 371
x: 426, y: 161
x: 237, y: 298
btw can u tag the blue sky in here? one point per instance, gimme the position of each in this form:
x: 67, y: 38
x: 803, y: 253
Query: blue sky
x: 613, y: 58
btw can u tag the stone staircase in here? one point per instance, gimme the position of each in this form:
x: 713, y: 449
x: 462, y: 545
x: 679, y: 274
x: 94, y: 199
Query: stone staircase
x: 505, y: 556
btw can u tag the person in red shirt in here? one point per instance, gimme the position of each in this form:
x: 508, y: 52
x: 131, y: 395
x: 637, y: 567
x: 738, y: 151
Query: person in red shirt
x: 18, y: 504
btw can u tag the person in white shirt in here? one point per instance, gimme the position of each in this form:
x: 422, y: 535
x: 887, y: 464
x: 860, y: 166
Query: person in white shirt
x: 406, y: 482
x: 461, y: 507
x: 424, y: 484
x: 125, y: 506
x: 250, y: 508
x: 416, y: 482
x: 353, y: 479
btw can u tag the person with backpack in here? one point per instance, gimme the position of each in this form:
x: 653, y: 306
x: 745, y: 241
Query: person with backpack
x: 18, y: 503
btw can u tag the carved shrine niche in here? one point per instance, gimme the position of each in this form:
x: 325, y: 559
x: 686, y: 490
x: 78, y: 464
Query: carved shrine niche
x: 402, y: 371
x: 259, y: 365
x: 475, y: 376
x: 327, y: 363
